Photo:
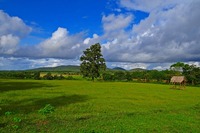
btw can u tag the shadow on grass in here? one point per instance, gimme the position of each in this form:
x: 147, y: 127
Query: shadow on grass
x: 35, y: 104
x: 11, y: 86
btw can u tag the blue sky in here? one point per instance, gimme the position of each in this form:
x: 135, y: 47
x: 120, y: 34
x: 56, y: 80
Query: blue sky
x: 75, y: 15
x: 47, y: 16
x: 133, y: 33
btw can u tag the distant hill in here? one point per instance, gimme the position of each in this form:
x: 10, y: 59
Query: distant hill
x: 119, y: 69
x: 122, y: 69
x: 70, y: 68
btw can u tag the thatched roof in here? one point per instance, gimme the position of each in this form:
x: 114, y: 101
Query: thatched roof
x: 178, y: 79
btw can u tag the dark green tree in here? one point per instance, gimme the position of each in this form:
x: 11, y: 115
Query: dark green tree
x: 177, y: 66
x: 93, y: 62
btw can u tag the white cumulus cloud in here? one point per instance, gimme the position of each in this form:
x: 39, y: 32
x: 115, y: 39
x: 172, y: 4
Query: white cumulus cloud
x: 12, y: 29
x: 62, y: 45
x: 113, y: 22
x: 8, y: 44
x: 149, y: 5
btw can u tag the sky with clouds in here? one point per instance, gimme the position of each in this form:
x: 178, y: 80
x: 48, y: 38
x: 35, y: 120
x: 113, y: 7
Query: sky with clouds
x: 133, y: 33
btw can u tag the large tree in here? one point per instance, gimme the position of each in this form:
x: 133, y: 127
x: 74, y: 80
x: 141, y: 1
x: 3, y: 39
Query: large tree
x: 93, y: 62
x: 177, y: 66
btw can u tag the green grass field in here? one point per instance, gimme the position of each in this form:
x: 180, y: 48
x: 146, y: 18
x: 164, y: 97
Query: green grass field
x: 85, y: 106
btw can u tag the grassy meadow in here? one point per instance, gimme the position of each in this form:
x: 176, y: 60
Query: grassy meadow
x: 85, y: 106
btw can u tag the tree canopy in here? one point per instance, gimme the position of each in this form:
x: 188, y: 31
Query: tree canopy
x: 92, y: 62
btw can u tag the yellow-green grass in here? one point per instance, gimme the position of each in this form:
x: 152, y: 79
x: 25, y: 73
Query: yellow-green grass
x: 85, y: 106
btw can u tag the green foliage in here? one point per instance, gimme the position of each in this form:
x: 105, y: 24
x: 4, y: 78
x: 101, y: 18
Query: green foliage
x: 157, y: 75
x: 48, y: 109
x: 16, y: 75
x: 93, y: 62
x: 137, y: 74
x: 117, y: 76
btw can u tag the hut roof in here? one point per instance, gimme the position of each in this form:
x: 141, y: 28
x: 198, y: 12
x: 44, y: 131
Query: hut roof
x: 177, y: 79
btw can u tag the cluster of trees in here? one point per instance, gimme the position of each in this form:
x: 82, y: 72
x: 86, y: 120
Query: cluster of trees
x: 191, y: 72
x: 140, y: 76
x: 117, y: 76
x: 32, y: 75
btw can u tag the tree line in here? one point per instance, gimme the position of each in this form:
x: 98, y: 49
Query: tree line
x: 192, y: 75
x: 35, y: 75
x: 19, y: 75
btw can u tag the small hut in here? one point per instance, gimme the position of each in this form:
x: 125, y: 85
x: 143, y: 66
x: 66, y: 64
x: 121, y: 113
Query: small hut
x: 181, y: 80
